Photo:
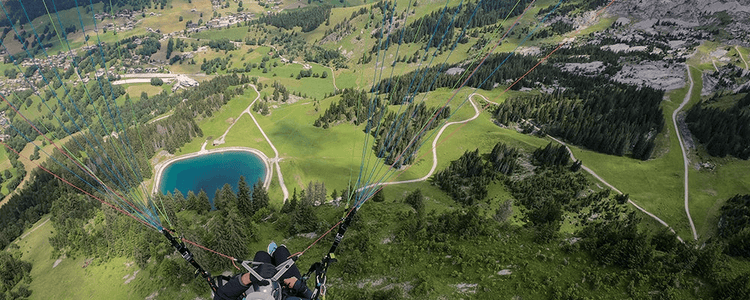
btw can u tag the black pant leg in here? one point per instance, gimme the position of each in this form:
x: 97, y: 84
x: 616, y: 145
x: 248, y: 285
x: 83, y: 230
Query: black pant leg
x: 264, y: 257
x: 280, y: 256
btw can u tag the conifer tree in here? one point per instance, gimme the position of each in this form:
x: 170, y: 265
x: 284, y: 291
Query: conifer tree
x: 260, y: 196
x: 233, y: 239
x: 204, y: 205
x: 228, y: 197
x: 192, y: 202
x: 291, y: 204
x: 378, y: 197
x: 244, y: 200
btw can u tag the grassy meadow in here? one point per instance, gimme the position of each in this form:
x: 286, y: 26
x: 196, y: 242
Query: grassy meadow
x: 92, y: 278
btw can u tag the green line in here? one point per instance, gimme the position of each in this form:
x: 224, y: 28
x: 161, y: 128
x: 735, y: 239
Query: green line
x: 161, y: 210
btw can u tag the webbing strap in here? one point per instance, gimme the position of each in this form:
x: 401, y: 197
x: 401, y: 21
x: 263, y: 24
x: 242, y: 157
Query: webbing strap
x: 188, y: 256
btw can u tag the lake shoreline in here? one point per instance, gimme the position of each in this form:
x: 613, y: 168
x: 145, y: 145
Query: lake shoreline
x: 159, y: 167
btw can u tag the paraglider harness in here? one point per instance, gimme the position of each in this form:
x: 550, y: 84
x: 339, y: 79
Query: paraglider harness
x: 262, y: 288
x: 188, y: 256
x: 269, y: 287
x: 321, y: 268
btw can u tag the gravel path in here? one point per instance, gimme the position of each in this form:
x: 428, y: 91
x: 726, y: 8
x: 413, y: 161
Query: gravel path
x: 333, y: 76
x: 585, y: 168
x: 160, y: 118
x: 35, y: 228
x: 742, y: 57
x: 684, y: 152
x: 434, y: 149
x: 276, y: 158
x: 269, y: 162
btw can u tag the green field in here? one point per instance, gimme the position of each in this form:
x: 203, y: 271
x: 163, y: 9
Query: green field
x: 656, y: 184
x: 234, y: 34
x: 136, y: 90
x: 95, y: 281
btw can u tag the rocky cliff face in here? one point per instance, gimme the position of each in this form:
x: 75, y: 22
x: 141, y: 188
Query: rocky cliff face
x: 709, y: 16
x: 686, y: 10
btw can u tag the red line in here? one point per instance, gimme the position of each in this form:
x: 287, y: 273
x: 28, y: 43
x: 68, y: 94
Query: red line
x: 354, y: 207
x: 67, y: 155
x: 423, y: 129
x: 204, y: 248
x: 507, y: 89
x: 80, y: 189
x: 115, y: 207
x: 434, y: 116
x: 464, y: 124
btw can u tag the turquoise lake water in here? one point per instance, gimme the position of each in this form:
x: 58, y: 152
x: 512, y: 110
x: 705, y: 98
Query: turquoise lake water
x: 211, y: 171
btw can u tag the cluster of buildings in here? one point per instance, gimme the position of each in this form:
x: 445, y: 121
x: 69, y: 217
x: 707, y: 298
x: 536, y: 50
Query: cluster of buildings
x: 127, y: 15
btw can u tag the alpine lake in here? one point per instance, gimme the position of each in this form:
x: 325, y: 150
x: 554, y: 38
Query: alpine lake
x: 210, y: 172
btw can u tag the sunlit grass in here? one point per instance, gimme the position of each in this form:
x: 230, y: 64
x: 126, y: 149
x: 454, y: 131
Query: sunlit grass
x: 135, y: 90
x: 96, y: 281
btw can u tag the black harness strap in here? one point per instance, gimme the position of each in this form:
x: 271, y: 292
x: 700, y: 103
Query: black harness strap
x: 320, y: 268
x: 188, y: 256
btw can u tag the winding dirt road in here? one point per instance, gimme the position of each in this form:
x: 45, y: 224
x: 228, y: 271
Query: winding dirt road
x: 160, y: 118
x: 742, y: 57
x: 333, y: 76
x: 434, y: 148
x: 585, y: 168
x: 684, y: 152
x: 275, y: 160
x: 715, y: 67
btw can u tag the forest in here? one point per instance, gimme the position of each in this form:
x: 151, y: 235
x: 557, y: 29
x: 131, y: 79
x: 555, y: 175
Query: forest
x: 398, y: 136
x: 553, y: 194
x: 27, y: 205
x: 722, y: 131
x: 308, y: 18
x: 466, y: 179
x: 613, y: 119
x: 516, y: 222
x: 472, y: 15
x: 734, y: 225
x: 12, y: 271
x: 354, y: 106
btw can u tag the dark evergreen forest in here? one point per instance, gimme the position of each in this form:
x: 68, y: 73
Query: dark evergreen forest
x: 613, y: 119
x: 354, y: 106
x: 734, y: 225
x: 722, y: 131
x: 481, y: 13
x: 466, y: 178
x: 398, y: 137
x: 308, y: 18
x: 551, y: 194
x: 12, y: 271
x: 548, y: 196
